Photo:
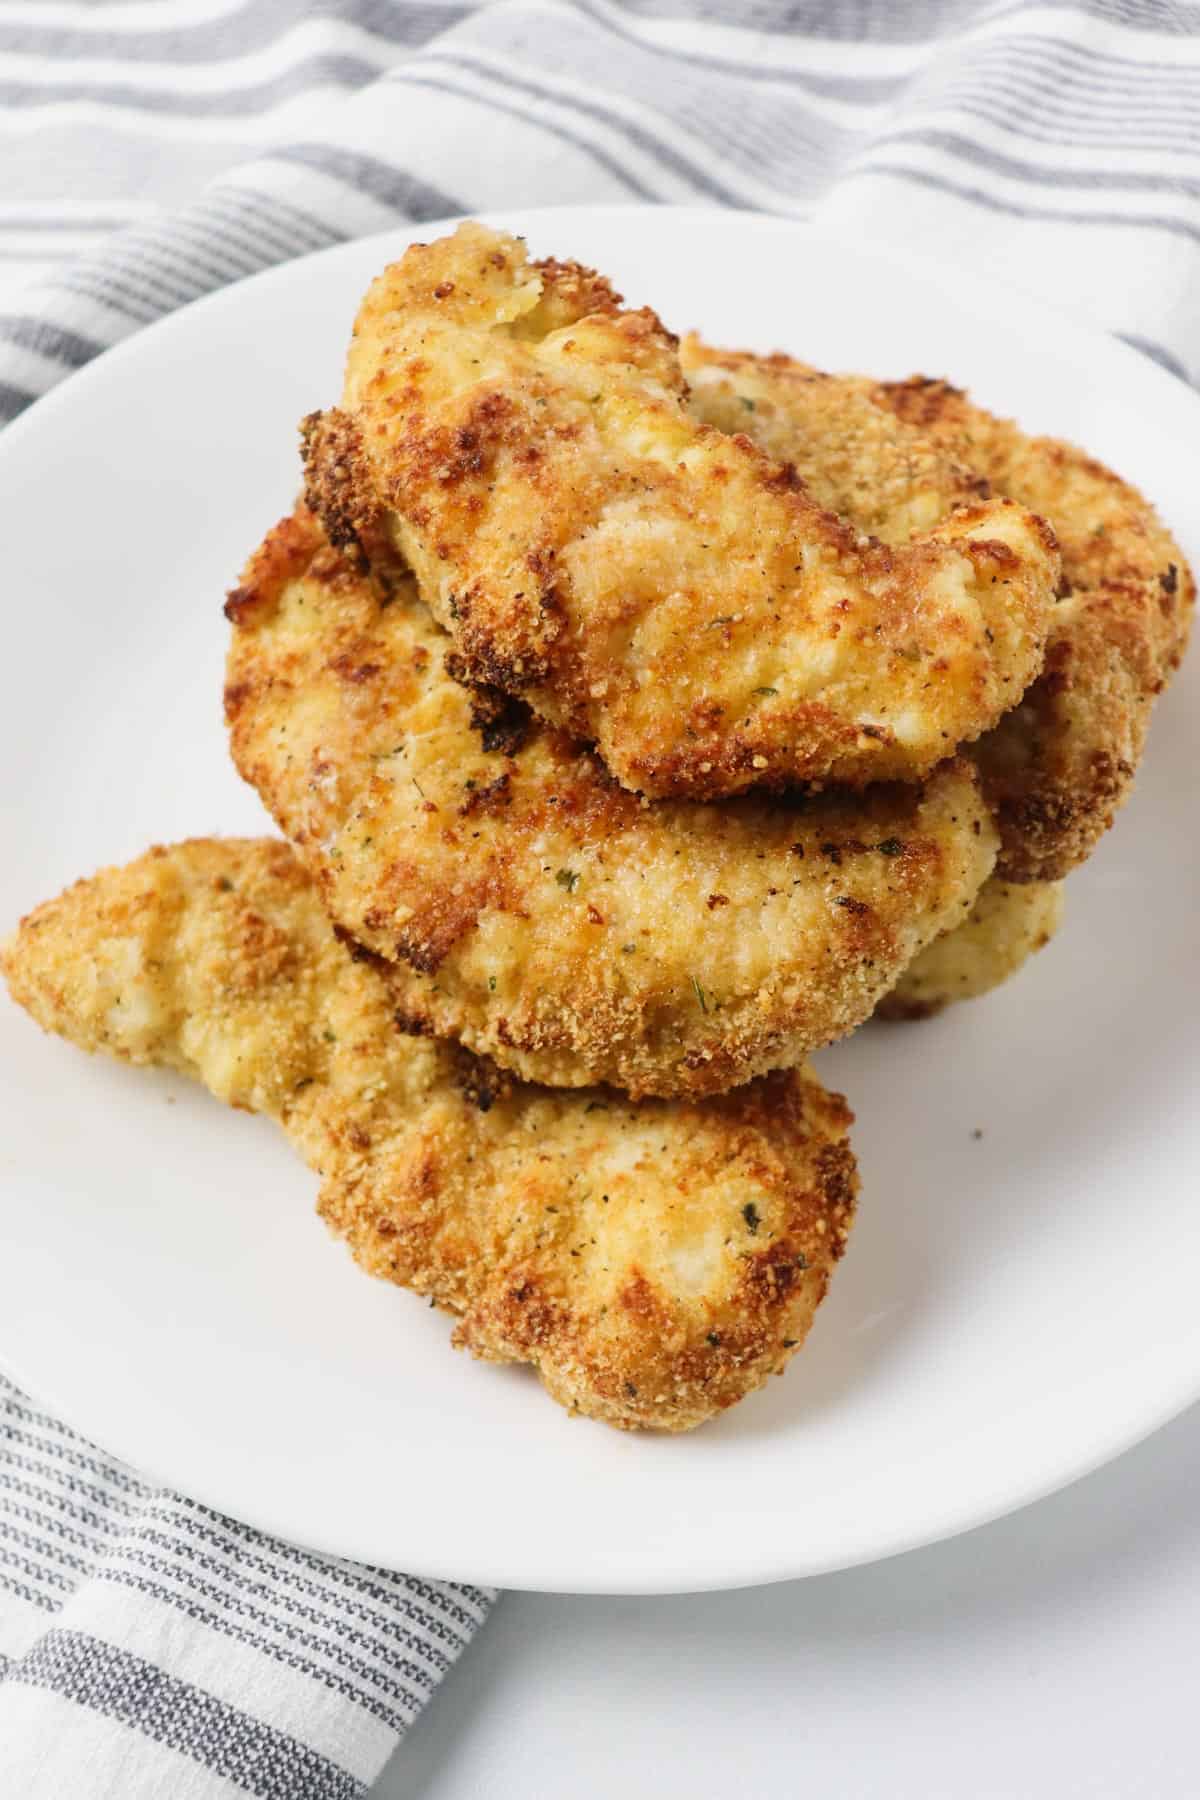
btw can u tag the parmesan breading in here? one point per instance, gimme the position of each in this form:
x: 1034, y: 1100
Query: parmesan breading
x: 900, y: 456
x: 534, y: 908
x: 1009, y: 923
x: 657, y: 587
x: 654, y: 1262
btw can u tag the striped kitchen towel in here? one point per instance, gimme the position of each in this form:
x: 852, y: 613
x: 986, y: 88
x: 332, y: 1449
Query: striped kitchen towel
x: 149, y: 1646
x: 154, y: 151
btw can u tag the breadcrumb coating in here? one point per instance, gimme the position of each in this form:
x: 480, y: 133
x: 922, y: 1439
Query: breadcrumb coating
x: 897, y: 457
x: 652, y: 585
x: 1009, y: 923
x: 535, y: 909
x: 653, y: 1262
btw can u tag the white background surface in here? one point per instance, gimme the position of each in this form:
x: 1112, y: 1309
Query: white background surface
x: 1048, y: 1657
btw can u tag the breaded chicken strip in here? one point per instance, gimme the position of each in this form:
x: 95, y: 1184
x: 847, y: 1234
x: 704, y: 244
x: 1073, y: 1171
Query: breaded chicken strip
x: 651, y: 585
x: 655, y: 1263
x: 1007, y: 925
x: 895, y: 457
x: 1059, y: 767
x: 541, y: 913
x: 853, y: 455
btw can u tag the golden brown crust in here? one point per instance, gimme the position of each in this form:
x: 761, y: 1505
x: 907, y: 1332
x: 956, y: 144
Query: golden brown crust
x: 545, y: 915
x: 853, y: 456
x: 899, y: 455
x: 655, y: 586
x: 1059, y: 767
x: 654, y: 1262
x: 1009, y: 923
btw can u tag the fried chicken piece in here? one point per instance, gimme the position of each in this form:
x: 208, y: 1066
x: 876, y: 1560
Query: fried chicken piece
x: 651, y: 585
x: 1009, y: 923
x: 897, y: 456
x: 654, y: 1262
x: 1059, y: 767
x: 534, y: 908
x: 851, y: 453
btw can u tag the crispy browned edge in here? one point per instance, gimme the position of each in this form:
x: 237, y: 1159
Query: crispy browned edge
x: 659, y: 1368
x: 1128, y: 642
x: 569, y: 1044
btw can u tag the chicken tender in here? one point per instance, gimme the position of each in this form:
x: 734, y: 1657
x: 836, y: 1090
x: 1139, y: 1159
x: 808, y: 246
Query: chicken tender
x: 896, y: 457
x: 1007, y: 925
x: 853, y: 455
x: 1058, y: 768
x: 535, y: 909
x: 654, y: 1262
x: 652, y: 585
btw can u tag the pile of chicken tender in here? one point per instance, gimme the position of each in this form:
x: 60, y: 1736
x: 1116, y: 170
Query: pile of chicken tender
x: 636, y: 718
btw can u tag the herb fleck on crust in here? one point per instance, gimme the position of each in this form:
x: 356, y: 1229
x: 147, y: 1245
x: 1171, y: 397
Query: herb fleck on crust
x: 533, y: 907
x: 897, y: 458
x: 603, y: 1241
x: 649, y: 583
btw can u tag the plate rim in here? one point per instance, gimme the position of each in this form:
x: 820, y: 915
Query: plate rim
x: 480, y: 1574
x: 741, y: 1569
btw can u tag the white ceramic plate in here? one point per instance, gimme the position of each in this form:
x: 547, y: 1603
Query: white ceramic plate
x: 1016, y: 1307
